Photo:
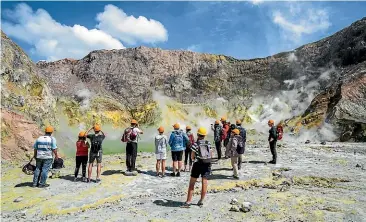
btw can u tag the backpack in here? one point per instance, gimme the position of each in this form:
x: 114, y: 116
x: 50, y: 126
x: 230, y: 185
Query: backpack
x: 190, y: 140
x: 217, y: 134
x: 178, y: 137
x: 279, y: 130
x: 29, y: 168
x: 205, y: 151
x: 240, y: 148
x: 96, y: 144
x: 58, y: 164
x: 129, y: 135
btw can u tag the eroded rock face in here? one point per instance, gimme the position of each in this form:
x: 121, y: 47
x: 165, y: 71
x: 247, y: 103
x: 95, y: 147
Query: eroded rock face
x: 22, y: 89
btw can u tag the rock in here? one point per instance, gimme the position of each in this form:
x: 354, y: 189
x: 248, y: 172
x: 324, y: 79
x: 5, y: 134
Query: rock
x: 276, y: 174
x: 307, y: 141
x: 323, y: 143
x: 358, y: 165
x: 246, y: 207
x: 234, y: 201
x: 19, y: 199
x: 235, y: 208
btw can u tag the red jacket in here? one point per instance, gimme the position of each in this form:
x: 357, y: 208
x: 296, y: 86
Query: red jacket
x: 225, y: 130
x: 82, y: 148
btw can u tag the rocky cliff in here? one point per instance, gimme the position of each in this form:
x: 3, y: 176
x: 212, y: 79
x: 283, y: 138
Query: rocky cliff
x: 112, y: 86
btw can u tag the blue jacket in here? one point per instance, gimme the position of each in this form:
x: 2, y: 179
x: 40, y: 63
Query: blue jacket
x: 178, y: 140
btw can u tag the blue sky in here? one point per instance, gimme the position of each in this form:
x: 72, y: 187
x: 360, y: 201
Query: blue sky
x: 244, y: 30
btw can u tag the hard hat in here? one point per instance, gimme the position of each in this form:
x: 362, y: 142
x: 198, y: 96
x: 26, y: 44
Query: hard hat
x: 236, y: 131
x: 271, y: 121
x: 49, y: 129
x: 176, y: 126
x: 161, y: 129
x: 202, y: 131
x: 188, y: 128
x: 238, y: 122
x: 96, y: 128
x: 217, y: 122
x: 82, y: 134
x: 223, y: 118
x: 133, y: 121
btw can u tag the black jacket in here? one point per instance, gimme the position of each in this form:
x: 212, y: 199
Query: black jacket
x: 273, y: 133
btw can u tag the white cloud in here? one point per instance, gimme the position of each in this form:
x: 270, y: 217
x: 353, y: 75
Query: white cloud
x: 194, y: 48
x: 51, y: 39
x: 297, y: 22
x: 130, y: 29
x: 256, y: 2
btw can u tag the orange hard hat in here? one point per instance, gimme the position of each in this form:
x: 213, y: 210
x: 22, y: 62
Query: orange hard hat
x: 238, y: 121
x: 82, y: 134
x: 97, y: 127
x: 235, y: 131
x: 161, y: 129
x: 223, y: 118
x: 176, y: 126
x: 217, y: 122
x: 49, y: 129
x: 133, y: 121
x: 188, y: 128
x: 271, y: 121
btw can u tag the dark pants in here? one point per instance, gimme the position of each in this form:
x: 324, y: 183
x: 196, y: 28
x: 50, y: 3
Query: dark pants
x: 218, y: 149
x: 81, y: 160
x: 131, y: 154
x: 272, y: 146
x: 45, y: 165
x: 187, y: 154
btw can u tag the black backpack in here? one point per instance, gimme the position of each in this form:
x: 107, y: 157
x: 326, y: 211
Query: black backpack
x: 96, y: 144
x: 218, y: 133
x: 58, y: 164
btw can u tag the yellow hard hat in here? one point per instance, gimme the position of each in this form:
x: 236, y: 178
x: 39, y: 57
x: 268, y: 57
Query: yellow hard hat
x: 176, y: 126
x: 49, y: 129
x: 271, y: 121
x: 202, y: 131
x: 96, y: 127
x: 236, y: 131
x: 82, y: 134
x: 161, y: 129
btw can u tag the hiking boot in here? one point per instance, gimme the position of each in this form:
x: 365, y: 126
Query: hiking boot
x: 97, y: 180
x: 162, y: 175
x: 178, y: 174
x: 236, y: 177
x: 88, y: 180
x: 84, y: 179
x: 172, y: 174
x: 200, y: 203
x: 75, y: 179
x: 44, y: 186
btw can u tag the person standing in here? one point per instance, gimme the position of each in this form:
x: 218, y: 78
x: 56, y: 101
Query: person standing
x: 96, y: 150
x: 233, y: 147
x: 131, y: 136
x: 272, y: 139
x: 82, y: 148
x: 43, y: 149
x: 161, y: 143
x: 177, y: 141
x: 243, y: 134
x: 202, y: 156
x: 187, y: 152
x: 217, y: 128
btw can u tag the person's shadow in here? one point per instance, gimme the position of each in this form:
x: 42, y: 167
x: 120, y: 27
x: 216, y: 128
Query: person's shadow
x: 25, y: 184
x: 149, y: 172
x: 168, y: 203
x: 68, y: 177
x: 256, y: 162
x: 111, y: 172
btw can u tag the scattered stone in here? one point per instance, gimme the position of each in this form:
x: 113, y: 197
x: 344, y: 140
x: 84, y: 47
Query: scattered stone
x: 19, y: 199
x: 235, y: 208
x: 234, y: 201
x: 246, y: 207
x: 307, y: 141
x: 276, y: 174
x: 358, y: 165
x: 323, y: 143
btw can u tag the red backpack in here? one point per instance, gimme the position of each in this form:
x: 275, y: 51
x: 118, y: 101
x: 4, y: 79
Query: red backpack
x: 129, y: 135
x: 279, y: 130
x: 191, y: 139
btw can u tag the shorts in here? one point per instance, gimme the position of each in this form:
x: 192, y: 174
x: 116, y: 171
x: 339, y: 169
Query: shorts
x: 94, y: 156
x: 161, y: 156
x: 177, y: 155
x: 203, y: 169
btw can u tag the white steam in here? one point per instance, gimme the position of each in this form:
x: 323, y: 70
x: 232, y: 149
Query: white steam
x: 83, y: 97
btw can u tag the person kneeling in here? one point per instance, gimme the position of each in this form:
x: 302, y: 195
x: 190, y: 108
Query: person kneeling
x: 202, y: 157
